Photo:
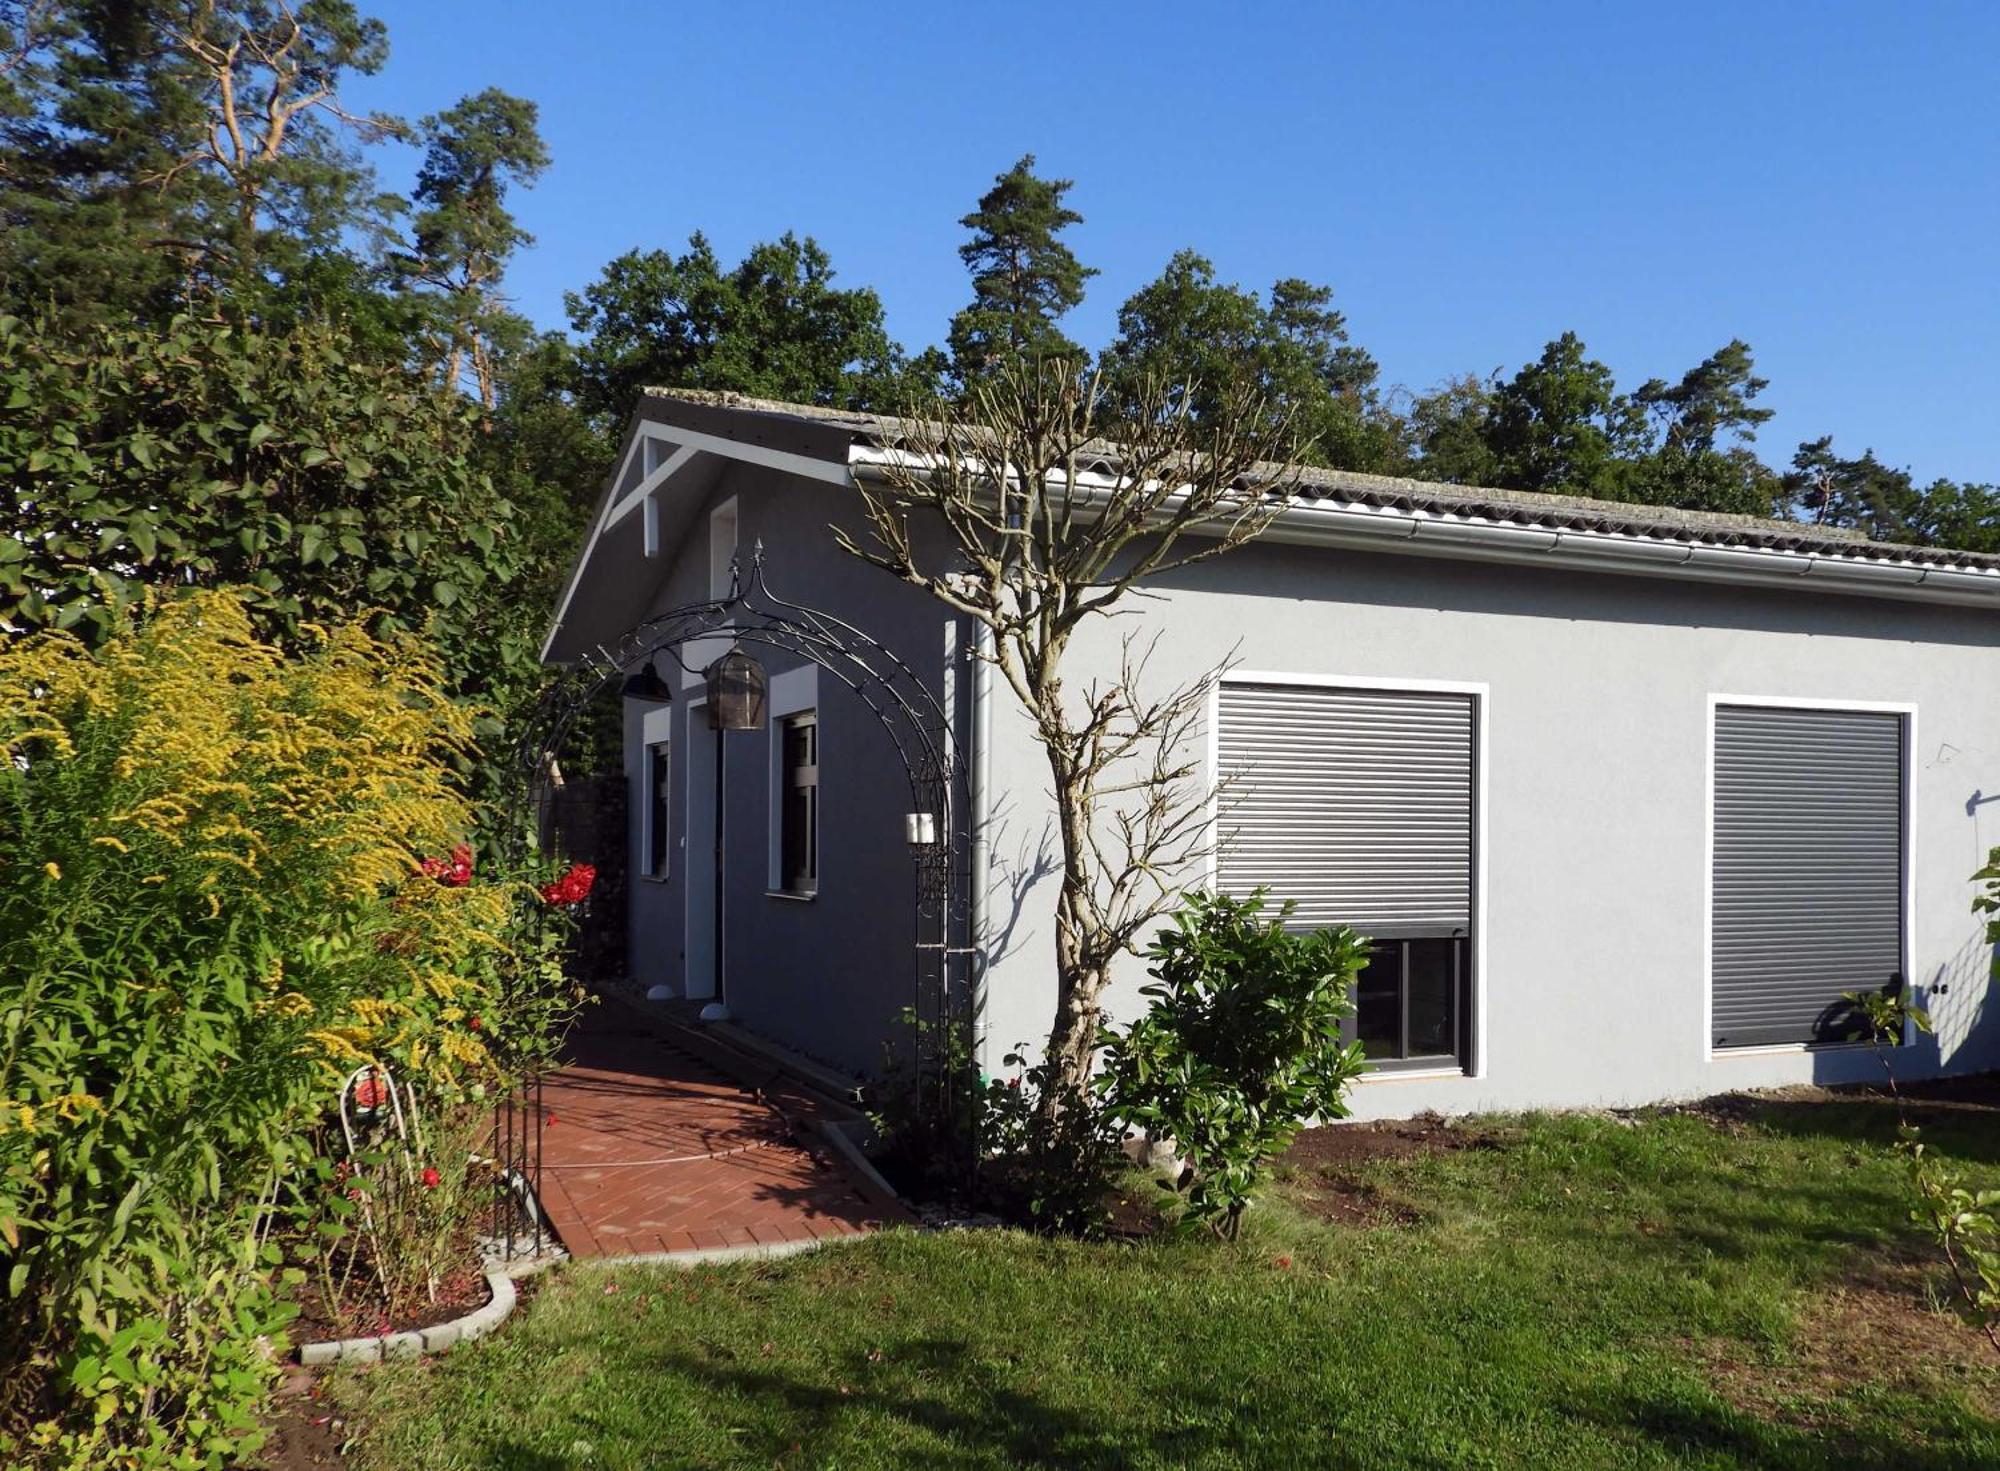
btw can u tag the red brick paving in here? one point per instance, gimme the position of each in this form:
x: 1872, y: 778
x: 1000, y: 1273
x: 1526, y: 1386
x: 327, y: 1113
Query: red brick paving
x: 648, y: 1148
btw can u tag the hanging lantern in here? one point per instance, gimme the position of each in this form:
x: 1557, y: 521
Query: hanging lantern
x: 735, y: 692
x: 646, y: 687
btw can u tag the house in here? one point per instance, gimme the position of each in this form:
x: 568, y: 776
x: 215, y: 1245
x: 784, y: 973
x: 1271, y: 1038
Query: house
x: 1628, y: 797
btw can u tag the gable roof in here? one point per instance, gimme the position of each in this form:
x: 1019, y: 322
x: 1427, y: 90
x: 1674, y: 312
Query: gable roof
x: 1334, y: 507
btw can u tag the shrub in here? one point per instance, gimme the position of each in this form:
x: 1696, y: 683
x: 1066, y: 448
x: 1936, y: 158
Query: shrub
x: 1241, y: 1044
x: 211, y: 909
x: 1050, y: 1150
x: 1000, y: 1142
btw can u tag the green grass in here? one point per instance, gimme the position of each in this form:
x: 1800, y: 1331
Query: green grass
x: 1562, y: 1301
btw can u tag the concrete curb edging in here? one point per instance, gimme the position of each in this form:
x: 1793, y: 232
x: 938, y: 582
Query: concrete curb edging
x: 409, y: 1344
x: 716, y: 1255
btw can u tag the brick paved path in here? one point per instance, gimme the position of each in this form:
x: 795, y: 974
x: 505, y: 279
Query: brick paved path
x: 649, y: 1148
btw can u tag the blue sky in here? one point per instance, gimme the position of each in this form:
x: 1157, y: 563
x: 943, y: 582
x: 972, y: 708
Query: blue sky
x: 1471, y: 179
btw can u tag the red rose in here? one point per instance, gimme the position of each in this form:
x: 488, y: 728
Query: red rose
x: 473, y: 1022
x: 454, y: 873
x: 431, y: 1178
x: 573, y: 887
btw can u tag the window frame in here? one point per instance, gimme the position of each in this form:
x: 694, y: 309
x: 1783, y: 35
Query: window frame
x: 657, y: 821
x: 1907, y: 898
x: 789, y: 783
x: 1473, y: 1060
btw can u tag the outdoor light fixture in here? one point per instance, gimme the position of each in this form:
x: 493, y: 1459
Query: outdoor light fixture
x: 646, y: 686
x: 920, y: 828
x: 735, y: 692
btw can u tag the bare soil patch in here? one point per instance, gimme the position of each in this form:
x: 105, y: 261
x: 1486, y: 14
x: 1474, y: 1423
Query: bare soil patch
x: 307, y: 1433
x: 458, y: 1293
x: 1889, y: 1331
x: 1340, y: 1145
x: 1324, y: 1168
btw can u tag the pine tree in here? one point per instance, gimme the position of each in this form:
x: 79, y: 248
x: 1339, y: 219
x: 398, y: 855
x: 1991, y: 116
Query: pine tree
x: 1023, y: 277
x: 464, y: 233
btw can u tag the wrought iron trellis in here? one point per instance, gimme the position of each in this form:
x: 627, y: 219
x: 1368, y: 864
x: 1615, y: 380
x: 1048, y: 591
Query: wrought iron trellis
x: 911, y: 713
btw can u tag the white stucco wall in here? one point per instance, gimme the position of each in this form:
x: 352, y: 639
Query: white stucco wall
x: 1592, y: 971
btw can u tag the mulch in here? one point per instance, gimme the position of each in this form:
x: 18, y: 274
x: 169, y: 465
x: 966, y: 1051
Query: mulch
x: 462, y: 1290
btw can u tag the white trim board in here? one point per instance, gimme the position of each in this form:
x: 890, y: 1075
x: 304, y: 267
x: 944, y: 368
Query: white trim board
x: 685, y: 446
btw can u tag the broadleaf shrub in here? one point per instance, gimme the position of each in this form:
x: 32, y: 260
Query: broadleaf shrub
x: 212, y: 907
x: 998, y: 1142
x: 1241, y: 1043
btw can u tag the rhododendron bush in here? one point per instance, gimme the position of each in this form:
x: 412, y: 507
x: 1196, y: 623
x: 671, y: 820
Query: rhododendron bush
x: 229, y: 876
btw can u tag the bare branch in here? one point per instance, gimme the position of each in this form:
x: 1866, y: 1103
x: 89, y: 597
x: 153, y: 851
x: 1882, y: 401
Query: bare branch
x: 1058, y: 505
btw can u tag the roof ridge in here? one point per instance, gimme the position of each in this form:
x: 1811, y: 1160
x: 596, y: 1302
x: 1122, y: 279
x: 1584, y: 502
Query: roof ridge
x: 1637, y: 518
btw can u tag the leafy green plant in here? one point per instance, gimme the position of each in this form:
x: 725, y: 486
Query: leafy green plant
x: 1000, y: 1142
x: 1242, y: 1043
x: 310, y: 473
x: 1051, y: 1150
x: 1880, y: 1018
x: 214, y: 903
x: 1965, y: 1223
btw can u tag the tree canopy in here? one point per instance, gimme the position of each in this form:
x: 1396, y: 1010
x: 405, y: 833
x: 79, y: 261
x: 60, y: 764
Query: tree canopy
x: 1024, y: 277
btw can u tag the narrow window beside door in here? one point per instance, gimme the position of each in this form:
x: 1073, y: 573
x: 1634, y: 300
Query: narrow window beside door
x: 1807, y: 880
x: 799, y: 839
x: 659, y: 809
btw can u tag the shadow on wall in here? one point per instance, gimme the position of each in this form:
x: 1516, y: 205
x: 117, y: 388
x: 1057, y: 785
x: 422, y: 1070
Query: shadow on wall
x: 1956, y: 994
x: 1318, y: 575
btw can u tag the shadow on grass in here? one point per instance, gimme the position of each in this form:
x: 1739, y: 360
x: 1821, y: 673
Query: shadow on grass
x: 964, y: 1417
x: 1966, y: 1132
x: 1704, y: 1430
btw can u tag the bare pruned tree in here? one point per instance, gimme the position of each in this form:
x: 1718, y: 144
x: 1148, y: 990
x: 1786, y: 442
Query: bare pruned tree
x: 1059, y: 501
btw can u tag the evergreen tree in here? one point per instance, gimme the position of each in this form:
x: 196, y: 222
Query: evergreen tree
x: 1561, y: 425
x: 775, y: 326
x: 186, y: 149
x: 464, y: 234
x: 1188, y: 332
x: 1024, y: 278
x: 1448, y: 431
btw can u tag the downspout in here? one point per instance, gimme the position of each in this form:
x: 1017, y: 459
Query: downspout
x: 979, y: 778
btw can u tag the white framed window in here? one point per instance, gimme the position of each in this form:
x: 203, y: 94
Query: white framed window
x: 1808, y: 867
x: 658, y: 822
x: 796, y: 732
x: 1362, y: 800
x: 722, y: 532
x: 798, y: 817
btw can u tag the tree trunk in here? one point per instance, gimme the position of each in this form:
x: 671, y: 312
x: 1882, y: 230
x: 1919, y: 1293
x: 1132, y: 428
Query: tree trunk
x: 1081, y: 966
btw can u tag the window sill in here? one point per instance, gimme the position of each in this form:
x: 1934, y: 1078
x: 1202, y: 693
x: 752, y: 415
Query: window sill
x: 1412, y: 1074
x: 795, y: 895
x: 1788, y: 1049
x: 656, y: 878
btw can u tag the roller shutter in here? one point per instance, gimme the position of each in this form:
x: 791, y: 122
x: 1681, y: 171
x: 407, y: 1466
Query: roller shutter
x: 1808, y: 870
x: 1358, y: 804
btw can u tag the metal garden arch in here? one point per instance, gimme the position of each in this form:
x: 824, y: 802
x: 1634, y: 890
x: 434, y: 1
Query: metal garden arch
x: 909, y: 711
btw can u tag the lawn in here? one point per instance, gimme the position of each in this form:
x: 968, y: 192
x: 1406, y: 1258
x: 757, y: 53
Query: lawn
x: 1677, y: 1289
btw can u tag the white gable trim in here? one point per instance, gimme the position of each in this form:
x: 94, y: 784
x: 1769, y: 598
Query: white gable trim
x: 681, y: 446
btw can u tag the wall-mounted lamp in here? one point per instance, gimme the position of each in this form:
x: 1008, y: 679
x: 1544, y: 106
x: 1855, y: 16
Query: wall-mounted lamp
x: 646, y: 687
x: 920, y: 828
